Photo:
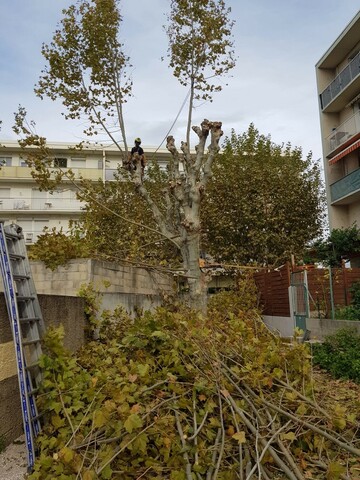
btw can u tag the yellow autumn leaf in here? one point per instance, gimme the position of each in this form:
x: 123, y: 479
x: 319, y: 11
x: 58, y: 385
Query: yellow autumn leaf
x: 66, y: 454
x: 99, y: 419
x: 225, y: 393
x: 239, y: 436
x: 334, y: 471
x: 57, y: 421
x: 89, y: 475
x: 301, y: 410
x: 288, y: 436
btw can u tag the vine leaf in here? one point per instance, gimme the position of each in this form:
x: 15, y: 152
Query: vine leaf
x: 133, y: 422
x: 240, y: 437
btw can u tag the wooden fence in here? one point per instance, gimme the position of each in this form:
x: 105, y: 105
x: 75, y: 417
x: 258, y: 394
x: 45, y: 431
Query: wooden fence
x: 273, y: 289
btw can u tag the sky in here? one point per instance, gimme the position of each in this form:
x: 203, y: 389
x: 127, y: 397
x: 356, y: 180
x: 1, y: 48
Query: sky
x: 277, y: 45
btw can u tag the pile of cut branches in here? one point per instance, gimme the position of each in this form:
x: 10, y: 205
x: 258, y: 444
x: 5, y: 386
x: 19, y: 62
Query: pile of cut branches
x: 181, y: 397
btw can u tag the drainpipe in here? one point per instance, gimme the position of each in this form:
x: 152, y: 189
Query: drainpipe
x: 104, y: 165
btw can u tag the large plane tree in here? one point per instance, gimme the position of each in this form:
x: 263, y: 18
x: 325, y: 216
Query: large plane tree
x: 86, y: 69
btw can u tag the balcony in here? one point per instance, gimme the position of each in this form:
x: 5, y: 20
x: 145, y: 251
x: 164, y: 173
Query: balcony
x: 24, y: 173
x: 343, y: 135
x: 343, y: 88
x: 346, y: 190
x: 40, y: 205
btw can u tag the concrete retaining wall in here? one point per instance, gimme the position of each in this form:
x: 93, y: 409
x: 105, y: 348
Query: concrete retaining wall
x: 55, y: 309
x: 319, y: 328
x: 133, y: 288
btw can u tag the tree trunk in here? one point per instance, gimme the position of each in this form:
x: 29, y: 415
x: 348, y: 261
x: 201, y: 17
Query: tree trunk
x: 196, y: 279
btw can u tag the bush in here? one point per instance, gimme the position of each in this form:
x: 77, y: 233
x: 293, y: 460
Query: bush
x: 340, y: 354
x: 347, y: 313
x: 352, y: 311
x: 55, y: 248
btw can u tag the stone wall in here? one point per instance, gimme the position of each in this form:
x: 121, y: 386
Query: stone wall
x: 133, y: 288
x: 129, y: 286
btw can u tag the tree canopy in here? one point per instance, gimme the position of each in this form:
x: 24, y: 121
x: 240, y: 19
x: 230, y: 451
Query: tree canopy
x: 264, y: 202
x: 86, y: 70
x: 341, y: 244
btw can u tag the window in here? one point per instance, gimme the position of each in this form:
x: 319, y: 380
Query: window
x: 60, y: 162
x: 29, y: 237
x: 4, y: 193
x: 78, y: 162
x: 5, y: 161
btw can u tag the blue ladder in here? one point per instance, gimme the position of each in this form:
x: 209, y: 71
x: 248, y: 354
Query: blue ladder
x: 27, y: 327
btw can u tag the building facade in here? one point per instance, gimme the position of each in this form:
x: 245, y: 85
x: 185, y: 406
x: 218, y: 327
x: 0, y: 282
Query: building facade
x: 338, y: 83
x: 23, y: 203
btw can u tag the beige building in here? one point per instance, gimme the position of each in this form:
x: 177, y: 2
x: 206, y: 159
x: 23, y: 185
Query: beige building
x: 23, y: 203
x: 338, y: 82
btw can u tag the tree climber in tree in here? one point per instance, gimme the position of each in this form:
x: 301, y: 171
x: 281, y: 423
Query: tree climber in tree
x: 137, y: 153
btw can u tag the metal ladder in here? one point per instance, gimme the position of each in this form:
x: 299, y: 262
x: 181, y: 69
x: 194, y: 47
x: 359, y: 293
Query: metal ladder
x: 27, y: 326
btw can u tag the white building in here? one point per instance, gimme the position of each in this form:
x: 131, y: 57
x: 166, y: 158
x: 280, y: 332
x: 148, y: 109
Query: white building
x: 338, y: 81
x: 23, y: 203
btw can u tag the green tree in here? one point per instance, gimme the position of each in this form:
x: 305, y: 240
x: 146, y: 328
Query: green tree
x: 264, y: 202
x: 200, y: 47
x: 341, y: 244
x: 86, y: 69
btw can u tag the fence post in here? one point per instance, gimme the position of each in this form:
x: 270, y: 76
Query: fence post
x: 345, y: 280
x: 331, y: 295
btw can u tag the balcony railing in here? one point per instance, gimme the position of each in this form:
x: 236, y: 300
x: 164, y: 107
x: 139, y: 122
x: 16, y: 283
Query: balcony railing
x: 40, y: 204
x: 25, y: 173
x: 341, y: 81
x: 344, y: 188
x: 343, y: 134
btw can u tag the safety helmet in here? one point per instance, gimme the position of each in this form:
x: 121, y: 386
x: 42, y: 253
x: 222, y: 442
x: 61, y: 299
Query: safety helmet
x: 137, y: 140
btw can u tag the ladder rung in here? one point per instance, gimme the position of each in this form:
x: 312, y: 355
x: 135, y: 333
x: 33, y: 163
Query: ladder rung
x: 31, y: 342
x: 24, y: 298
x: 33, y: 391
x: 28, y: 320
x: 13, y: 236
x: 15, y: 256
x: 20, y: 277
x: 39, y: 415
x: 32, y: 365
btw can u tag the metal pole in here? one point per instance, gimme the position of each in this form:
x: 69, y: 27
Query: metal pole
x: 331, y: 296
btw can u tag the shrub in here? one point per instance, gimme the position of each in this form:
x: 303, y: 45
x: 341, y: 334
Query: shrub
x: 347, y: 313
x: 340, y: 354
x: 55, y: 248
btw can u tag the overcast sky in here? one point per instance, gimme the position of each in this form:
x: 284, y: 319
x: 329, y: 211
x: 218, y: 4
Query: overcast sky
x: 277, y: 42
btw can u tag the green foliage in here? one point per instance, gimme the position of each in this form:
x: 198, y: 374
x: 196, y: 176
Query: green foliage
x: 200, y: 45
x: 352, y: 311
x: 126, y: 228
x: 340, y: 354
x: 340, y: 245
x: 55, y: 248
x: 348, y: 312
x: 264, y: 202
x: 168, y: 392
x: 242, y: 298
x: 86, y: 65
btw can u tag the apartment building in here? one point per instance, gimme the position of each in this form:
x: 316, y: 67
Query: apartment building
x: 338, y: 83
x: 23, y: 203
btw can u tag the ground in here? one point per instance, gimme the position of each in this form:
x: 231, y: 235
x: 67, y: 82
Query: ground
x: 13, y: 459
